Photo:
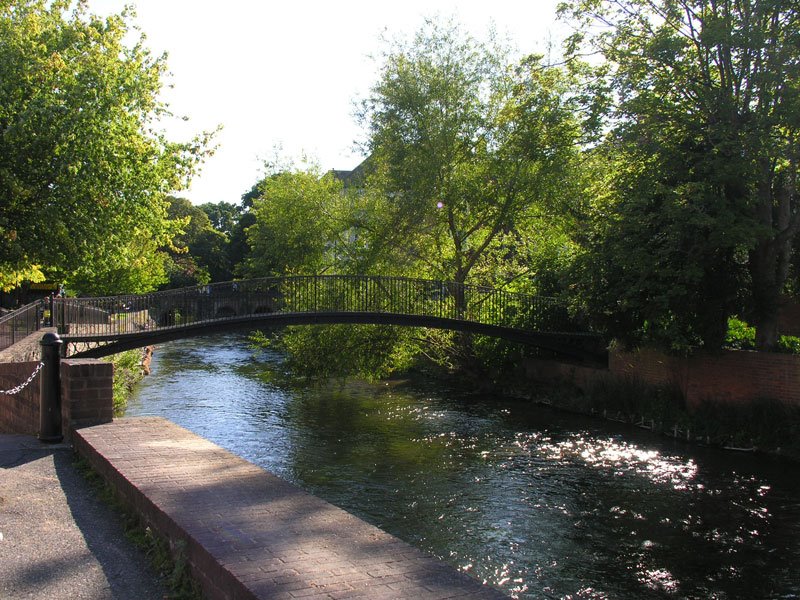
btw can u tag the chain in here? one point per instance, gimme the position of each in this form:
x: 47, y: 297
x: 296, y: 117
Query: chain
x: 22, y: 386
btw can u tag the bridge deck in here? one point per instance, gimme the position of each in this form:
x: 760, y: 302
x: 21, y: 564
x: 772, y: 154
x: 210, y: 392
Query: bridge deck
x: 249, y: 534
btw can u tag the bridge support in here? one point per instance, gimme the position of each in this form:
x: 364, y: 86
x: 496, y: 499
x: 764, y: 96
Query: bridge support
x: 50, y: 429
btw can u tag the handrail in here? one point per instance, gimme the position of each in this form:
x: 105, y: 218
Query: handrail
x: 21, y: 322
x: 111, y: 316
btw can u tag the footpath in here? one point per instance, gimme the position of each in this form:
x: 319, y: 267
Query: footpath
x: 58, y: 540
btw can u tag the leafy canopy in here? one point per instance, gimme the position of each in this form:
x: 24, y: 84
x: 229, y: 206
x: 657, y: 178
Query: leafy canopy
x: 83, y: 170
x: 470, y: 151
x: 697, y: 219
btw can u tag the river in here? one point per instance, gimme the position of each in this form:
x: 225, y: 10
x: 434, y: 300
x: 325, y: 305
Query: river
x: 535, y: 502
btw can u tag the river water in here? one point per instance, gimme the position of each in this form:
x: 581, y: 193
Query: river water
x: 537, y: 503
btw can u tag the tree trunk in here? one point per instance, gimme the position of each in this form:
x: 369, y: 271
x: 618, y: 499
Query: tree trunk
x: 767, y: 332
x: 765, y: 294
x: 771, y: 258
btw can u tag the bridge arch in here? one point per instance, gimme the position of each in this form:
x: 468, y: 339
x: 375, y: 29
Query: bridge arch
x: 136, y: 321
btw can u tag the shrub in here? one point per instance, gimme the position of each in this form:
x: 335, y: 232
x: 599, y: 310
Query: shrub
x: 742, y: 336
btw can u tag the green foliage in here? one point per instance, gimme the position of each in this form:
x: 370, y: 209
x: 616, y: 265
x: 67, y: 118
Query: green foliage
x: 471, y: 151
x: 127, y: 373
x: 295, y: 224
x: 742, y: 336
x: 223, y: 216
x: 83, y: 174
x: 337, y: 351
x: 789, y: 344
x: 695, y: 220
x: 200, y: 254
x: 472, y: 163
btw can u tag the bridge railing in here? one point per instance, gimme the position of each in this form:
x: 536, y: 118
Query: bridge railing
x: 309, y: 294
x: 22, y: 322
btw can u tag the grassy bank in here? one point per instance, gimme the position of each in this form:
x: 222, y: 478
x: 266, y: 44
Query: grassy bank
x: 128, y: 372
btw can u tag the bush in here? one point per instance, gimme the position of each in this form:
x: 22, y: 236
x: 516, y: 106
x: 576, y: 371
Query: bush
x: 127, y: 373
x: 742, y: 336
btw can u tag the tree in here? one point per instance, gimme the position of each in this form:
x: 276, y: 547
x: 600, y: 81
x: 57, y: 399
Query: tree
x: 199, y: 254
x: 83, y: 174
x: 223, y: 216
x: 704, y: 129
x: 468, y: 150
x: 302, y: 225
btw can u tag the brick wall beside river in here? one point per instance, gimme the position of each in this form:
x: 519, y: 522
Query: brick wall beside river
x: 731, y: 376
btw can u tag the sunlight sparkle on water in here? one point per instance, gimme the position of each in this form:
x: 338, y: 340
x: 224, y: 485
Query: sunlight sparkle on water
x: 658, y: 579
x: 623, y: 458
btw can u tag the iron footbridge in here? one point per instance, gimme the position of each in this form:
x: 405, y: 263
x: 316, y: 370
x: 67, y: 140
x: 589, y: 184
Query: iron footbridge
x: 95, y: 327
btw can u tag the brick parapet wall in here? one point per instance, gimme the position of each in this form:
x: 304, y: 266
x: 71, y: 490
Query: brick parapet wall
x: 728, y: 377
x: 19, y: 413
x: 731, y: 376
x: 87, y: 393
x: 86, y: 396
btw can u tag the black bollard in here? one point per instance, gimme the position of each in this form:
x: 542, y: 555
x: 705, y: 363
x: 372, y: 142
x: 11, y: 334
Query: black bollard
x: 50, y: 390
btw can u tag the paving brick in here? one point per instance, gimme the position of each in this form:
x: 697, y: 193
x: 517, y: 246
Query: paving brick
x: 250, y: 534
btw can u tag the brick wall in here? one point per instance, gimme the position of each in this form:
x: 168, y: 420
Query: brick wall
x: 86, y: 393
x: 86, y: 396
x: 789, y: 317
x: 732, y: 376
x: 19, y: 413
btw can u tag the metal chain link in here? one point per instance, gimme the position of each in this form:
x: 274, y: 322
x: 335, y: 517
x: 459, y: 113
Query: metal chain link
x: 22, y: 386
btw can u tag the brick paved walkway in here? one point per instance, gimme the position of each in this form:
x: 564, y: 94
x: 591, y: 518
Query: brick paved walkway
x: 249, y: 534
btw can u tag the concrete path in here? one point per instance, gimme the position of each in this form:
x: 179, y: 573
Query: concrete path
x: 57, y: 539
x: 249, y: 534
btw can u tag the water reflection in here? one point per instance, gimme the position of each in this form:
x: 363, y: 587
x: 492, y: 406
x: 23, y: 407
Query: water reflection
x: 537, y: 503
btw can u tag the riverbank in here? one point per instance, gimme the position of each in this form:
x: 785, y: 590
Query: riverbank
x: 653, y: 398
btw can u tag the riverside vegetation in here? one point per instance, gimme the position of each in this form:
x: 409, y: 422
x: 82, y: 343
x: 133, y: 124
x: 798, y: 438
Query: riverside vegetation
x: 653, y: 188
x: 128, y: 371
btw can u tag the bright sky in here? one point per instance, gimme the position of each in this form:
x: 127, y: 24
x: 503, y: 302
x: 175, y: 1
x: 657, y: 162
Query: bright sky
x: 288, y: 74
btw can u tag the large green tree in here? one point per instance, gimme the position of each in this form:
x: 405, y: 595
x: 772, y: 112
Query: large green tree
x: 83, y: 171
x: 295, y: 224
x: 199, y: 254
x: 699, y: 218
x: 307, y: 223
x: 469, y: 151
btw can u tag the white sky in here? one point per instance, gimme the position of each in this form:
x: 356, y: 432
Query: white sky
x: 287, y: 74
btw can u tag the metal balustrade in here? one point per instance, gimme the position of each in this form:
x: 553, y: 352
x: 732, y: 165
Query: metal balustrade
x: 107, y: 317
x: 22, y: 322
x: 128, y: 321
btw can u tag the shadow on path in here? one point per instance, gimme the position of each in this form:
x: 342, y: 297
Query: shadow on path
x: 59, y: 540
